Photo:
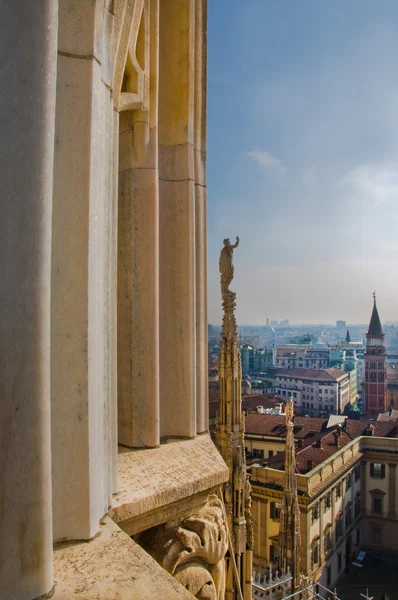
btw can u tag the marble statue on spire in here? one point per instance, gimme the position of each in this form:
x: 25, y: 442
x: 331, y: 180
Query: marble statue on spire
x: 226, y: 266
x: 230, y: 435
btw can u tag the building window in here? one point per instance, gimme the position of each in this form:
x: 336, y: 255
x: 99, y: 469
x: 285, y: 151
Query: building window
x: 258, y: 453
x: 328, y: 539
x: 376, y: 534
x: 275, y: 509
x: 348, y: 516
x: 328, y: 575
x: 273, y: 553
x: 328, y: 501
x: 349, y: 481
x: 338, y: 490
x: 357, y: 506
x: 339, y: 527
x: 270, y: 453
x: 315, y: 553
x: 357, y: 472
x: 377, y: 470
x: 377, y: 505
x: 315, y: 512
x: 358, y: 537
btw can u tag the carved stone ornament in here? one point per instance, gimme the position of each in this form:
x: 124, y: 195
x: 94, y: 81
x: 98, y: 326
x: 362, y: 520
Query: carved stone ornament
x: 193, y: 551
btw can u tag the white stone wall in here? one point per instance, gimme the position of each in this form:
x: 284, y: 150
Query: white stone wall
x: 74, y: 119
x: 28, y: 41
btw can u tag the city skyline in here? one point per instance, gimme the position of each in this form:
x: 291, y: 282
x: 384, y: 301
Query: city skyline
x: 302, y: 155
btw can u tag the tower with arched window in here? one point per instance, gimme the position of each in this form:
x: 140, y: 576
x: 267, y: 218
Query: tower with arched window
x: 375, y: 365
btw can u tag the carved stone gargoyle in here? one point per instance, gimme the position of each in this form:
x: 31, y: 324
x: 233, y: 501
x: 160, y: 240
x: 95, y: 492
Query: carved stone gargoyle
x: 193, y: 551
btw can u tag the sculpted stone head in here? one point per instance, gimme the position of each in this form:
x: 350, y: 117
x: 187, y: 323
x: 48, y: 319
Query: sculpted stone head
x: 193, y: 551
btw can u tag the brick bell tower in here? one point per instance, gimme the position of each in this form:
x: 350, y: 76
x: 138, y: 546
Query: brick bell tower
x: 375, y: 366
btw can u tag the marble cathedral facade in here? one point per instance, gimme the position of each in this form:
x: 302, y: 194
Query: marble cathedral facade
x: 103, y: 330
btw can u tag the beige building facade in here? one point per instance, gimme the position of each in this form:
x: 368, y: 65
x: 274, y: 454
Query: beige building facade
x: 103, y: 327
x: 315, y: 392
x: 294, y: 356
x: 348, y: 503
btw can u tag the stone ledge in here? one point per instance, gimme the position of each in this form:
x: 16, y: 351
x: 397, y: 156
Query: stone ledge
x: 111, y: 566
x: 159, y: 484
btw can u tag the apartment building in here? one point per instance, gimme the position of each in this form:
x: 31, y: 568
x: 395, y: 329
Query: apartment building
x: 301, y: 356
x: 348, y: 498
x: 255, y: 360
x: 315, y: 392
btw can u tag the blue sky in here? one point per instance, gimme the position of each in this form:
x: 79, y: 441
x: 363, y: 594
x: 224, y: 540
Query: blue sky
x: 303, y: 157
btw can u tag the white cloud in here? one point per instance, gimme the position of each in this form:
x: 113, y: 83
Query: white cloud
x: 309, y: 177
x: 379, y: 185
x: 391, y: 246
x: 265, y: 159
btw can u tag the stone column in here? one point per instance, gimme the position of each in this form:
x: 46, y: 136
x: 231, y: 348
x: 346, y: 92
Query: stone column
x: 392, y: 472
x: 138, y: 272
x: 28, y: 37
x: 177, y: 280
x: 83, y: 247
x: 202, y: 393
x: 138, y: 252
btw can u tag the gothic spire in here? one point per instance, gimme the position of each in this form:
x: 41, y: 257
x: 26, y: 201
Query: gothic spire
x: 375, y: 324
x: 289, y: 530
x: 348, y: 337
x: 230, y: 440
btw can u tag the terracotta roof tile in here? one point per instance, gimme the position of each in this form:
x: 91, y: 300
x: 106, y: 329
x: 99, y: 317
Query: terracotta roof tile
x: 309, y: 427
x: 249, y: 402
x: 275, y: 424
x: 320, y: 447
x: 331, y: 374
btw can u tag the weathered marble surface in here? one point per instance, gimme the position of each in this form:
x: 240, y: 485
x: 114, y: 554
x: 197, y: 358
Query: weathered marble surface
x: 113, y: 566
x: 171, y: 479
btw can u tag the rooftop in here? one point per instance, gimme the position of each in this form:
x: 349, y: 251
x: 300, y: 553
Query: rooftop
x: 249, y: 402
x: 318, y: 441
x: 275, y: 425
x: 390, y: 415
x: 392, y: 373
x: 331, y: 374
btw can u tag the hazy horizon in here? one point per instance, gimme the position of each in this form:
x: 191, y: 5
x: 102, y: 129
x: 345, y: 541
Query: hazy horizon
x: 303, y: 324
x: 303, y: 158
